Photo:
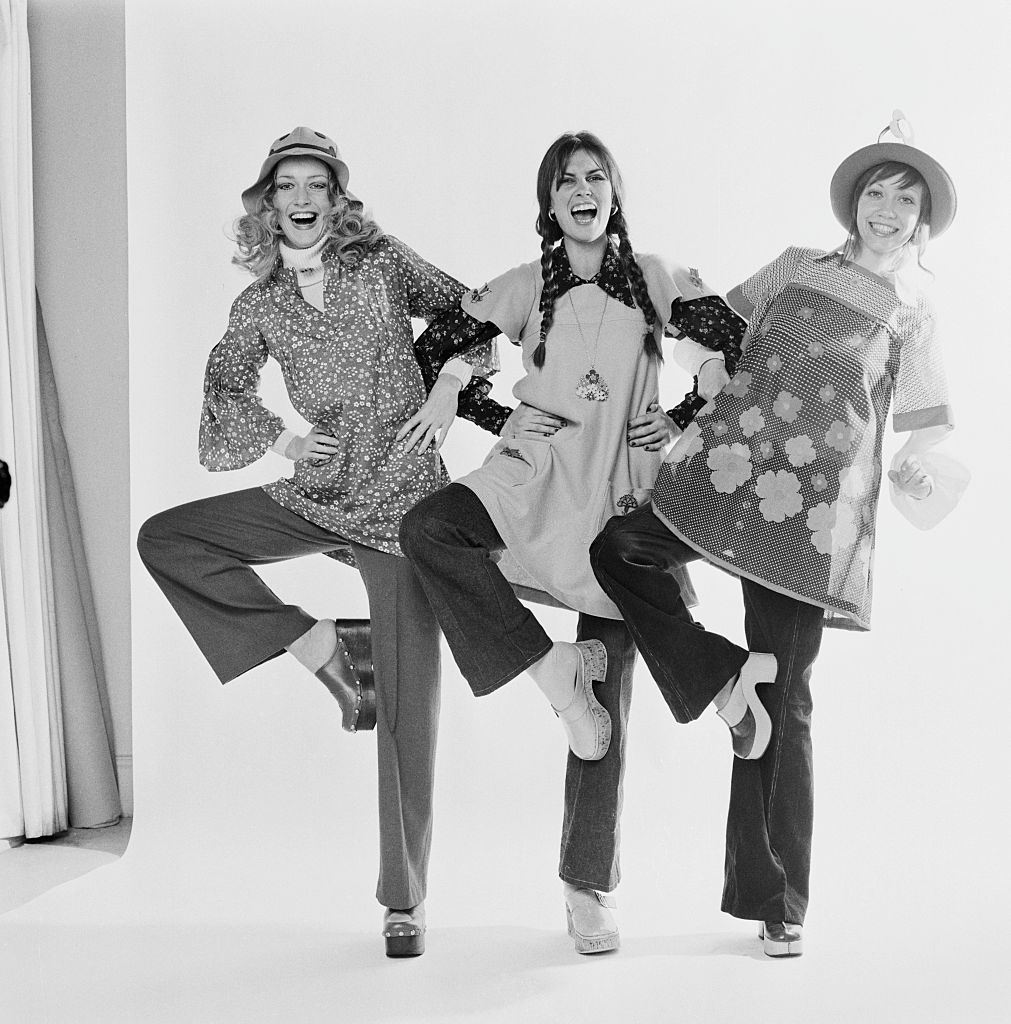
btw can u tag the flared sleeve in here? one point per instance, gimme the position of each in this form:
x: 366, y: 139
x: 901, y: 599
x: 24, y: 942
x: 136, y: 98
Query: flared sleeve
x: 752, y: 297
x: 921, y: 406
x: 431, y: 293
x: 700, y: 319
x: 236, y: 428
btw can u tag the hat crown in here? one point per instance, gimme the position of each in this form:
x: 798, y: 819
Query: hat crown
x: 305, y: 138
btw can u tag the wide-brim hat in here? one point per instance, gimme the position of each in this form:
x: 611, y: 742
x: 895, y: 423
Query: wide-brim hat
x: 298, y: 142
x: 943, y: 200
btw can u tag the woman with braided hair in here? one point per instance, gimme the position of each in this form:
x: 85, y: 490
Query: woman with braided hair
x: 583, y: 445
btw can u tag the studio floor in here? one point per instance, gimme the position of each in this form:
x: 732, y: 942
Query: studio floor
x: 199, y: 929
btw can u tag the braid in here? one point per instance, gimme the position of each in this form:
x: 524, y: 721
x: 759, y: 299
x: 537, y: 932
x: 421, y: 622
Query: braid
x: 548, y: 291
x: 637, y: 283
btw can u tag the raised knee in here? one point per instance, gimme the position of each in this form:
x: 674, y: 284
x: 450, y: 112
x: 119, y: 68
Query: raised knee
x: 156, y: 535
x: 412, y: 529
x: 609, y: 549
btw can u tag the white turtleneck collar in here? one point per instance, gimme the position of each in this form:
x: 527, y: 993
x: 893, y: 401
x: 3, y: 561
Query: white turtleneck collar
x: 308, y: 267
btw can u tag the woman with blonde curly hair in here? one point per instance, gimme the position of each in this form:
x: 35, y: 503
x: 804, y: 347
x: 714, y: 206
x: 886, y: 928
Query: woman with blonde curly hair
x: 332, y: 303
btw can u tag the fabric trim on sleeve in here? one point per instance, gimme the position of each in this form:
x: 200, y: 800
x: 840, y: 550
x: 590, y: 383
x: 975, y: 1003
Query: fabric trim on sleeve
x: 938, y: 416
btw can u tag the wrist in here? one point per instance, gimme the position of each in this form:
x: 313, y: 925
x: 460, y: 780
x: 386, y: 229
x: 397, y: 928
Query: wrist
x: 449, y: 381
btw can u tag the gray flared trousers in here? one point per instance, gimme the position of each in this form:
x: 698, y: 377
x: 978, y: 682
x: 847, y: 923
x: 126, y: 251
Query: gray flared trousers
x: 201, y: 555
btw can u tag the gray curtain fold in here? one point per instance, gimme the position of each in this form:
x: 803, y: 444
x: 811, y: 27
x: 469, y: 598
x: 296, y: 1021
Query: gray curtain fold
x: 92, y: 789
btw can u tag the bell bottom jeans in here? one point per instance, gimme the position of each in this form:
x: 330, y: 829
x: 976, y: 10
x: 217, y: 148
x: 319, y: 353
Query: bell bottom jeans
x: 770, y: 819
x: 453, y: 542
x: 201, y: 555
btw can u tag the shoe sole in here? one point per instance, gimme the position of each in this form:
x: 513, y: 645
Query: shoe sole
x: 593, y: 669
x: 591, y: 943
x: 356, y: 637
x: 779, y: 950
x: 759, y: 668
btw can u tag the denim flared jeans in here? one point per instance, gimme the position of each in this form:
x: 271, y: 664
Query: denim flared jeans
x: 453, y: 544
x: 770, y: 819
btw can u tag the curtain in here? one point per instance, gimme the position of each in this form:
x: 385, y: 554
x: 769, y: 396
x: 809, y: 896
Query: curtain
x: 55, y: 751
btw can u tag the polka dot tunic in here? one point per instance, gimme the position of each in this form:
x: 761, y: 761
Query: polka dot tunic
x: 777, y: 479
x: 351, y: 371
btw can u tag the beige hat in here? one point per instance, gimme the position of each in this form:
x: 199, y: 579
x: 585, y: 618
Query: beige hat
x: 298, y: 142
x: 943, y: 200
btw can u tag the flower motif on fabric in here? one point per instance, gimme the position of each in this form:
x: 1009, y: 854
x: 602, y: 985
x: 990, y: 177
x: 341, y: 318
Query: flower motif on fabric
x: 751, y: 421
x: 739, y: 383
x: 479, y: 293
x: 688, y: 445
x: 627, y: 503
x: 819, y: 482
x: 787, y: 407
x: 800, y: 450
x: 774, y: 363
x: 731, y: 465
x: 766, y: 449
x: 805, y: 313
x: 816, y: 350
x: 832, y: 526
x: 780, y: 494
x: 512, y: 453
x: 826, y: 393
x: 852, y: 482
x: 719, y: 428
x: 839, y: 436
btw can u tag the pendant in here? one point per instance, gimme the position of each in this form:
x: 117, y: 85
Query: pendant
x: 592, y: 386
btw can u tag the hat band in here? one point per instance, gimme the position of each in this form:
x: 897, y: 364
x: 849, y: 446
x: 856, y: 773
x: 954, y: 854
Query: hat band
x: 305, y: 145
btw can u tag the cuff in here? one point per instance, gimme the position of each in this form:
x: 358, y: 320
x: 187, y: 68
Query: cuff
x: 459, y: 368
x: 281, y: 444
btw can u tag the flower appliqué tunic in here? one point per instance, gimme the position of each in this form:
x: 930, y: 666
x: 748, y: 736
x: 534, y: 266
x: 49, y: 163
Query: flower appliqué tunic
x: 351, y: 370
x: 777, y: 479
x: 549, y: 498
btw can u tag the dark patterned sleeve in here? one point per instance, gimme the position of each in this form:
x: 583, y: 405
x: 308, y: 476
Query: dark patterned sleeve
x: 709, y: 321
x: 449, y: 334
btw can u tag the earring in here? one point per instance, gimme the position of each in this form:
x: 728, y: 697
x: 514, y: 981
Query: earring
x: 551, y: 214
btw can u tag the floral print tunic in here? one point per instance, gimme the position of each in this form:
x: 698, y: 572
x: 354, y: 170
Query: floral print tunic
x: 777, y: 478
x: 350, y: 370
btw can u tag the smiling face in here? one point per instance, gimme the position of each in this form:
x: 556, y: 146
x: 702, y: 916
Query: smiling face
x: 582, y: 199
x: 887, y: 214
x: 302, y: 199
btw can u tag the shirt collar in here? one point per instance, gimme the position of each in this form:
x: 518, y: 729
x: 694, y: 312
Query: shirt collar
x: 610, y: 278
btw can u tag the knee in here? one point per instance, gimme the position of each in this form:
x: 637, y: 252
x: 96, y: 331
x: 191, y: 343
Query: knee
x: 611, y: 549
x: 432, y: 522
x: 156, y: 537
x: 413, y: 528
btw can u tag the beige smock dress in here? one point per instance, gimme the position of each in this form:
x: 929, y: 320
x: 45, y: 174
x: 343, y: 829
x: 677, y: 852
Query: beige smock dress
x: 549, y: 498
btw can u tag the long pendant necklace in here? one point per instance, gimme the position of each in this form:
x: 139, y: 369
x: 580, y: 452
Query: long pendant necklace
x: 592, y: 385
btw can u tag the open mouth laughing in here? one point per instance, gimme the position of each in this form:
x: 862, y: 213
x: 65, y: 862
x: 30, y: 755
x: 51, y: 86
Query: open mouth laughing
x: 584, y: 213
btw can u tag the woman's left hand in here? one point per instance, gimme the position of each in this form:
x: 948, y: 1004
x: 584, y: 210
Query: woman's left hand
x: 428, y: 427
x: 912, y: 479
x: 652, y: 430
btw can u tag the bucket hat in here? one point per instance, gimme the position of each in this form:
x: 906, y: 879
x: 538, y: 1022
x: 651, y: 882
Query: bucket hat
x: 298, y: 142
x: 943, y: 200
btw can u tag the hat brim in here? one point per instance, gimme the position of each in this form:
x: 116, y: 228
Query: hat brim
x: 251, y: 196
x: 943, y: 200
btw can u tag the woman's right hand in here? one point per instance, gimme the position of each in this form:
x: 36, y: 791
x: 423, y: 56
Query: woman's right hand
x: 315, y: 446
x: 531, y: 424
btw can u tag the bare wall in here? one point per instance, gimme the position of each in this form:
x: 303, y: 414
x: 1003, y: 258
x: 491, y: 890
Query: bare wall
x: 79, y: 141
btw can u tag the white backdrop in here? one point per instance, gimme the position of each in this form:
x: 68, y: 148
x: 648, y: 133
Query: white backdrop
x: 727, y: 121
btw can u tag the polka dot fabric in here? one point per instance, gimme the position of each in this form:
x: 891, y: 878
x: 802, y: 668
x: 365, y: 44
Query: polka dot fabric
x: 350, y: 370
x: 777, y: 479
